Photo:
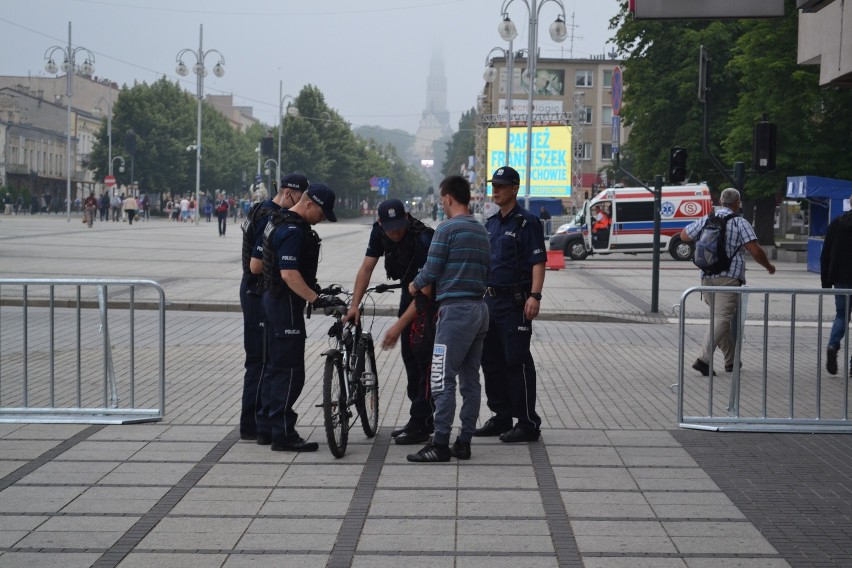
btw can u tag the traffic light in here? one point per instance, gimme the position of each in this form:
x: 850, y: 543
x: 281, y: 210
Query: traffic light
x: 266, y: 146
x: 763, y: 146
x: 677, y: 164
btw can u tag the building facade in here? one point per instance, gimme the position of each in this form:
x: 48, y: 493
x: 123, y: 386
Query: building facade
x: 825, y: 39
x: 571, y: 92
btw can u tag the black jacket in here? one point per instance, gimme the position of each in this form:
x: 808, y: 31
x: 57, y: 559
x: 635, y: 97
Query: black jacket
x: 836, y: 257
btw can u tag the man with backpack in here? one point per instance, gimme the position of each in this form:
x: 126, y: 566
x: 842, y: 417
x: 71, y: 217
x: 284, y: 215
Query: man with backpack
x: 719, y: 242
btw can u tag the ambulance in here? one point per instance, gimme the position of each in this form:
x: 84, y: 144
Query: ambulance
x: 621, y: 219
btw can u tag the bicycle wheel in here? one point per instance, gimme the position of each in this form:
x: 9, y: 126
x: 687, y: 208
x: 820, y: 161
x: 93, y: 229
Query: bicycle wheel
x: 367, y: 399
x: 334, y: 409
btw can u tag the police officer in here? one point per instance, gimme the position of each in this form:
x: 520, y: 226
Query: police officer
x: 513, y: 296
x: 290, y: 258
x: 251, y: 291
x: 404, y: 242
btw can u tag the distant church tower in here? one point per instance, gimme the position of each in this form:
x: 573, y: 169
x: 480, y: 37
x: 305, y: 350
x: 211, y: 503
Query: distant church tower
x: 435, y: 120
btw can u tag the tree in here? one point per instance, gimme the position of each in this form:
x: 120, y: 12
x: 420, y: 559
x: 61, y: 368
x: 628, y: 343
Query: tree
x: 163, y: 116
x: 462, y: 144
x: 754, y: 71
x: 812, y: 121
x: 661, y: 86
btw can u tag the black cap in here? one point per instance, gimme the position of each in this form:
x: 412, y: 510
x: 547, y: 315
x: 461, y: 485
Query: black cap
x: 505, y: 176
x: 297, y: 182
x: 324, y: 197
x: 392, y: 215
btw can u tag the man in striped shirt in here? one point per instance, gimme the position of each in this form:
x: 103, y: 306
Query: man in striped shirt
x: 457, y: 266
x: 739, y: 234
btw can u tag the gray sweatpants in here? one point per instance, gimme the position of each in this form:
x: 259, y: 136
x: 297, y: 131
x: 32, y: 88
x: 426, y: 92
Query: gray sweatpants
x: 461, y: 328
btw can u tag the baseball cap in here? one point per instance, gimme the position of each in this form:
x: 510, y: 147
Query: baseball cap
x: 323, y: 196
x: 505, y: 176
x: 392, y: 215
x: 297, y: 182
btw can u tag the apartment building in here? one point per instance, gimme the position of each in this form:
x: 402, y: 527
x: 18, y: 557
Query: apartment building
x: 573, y: 92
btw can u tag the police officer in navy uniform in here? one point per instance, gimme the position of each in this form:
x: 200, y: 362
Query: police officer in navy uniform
x: 404, y: 242
x: 513, y: 296
x: 251, y: 291
x: 291, y: 251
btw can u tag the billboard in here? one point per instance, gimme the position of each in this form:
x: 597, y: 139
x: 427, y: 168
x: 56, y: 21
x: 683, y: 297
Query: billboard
x: 547, y: 82
x: 551, y: 158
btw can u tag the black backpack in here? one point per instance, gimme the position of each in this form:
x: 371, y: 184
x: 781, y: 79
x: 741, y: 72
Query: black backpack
x: 710, y: 253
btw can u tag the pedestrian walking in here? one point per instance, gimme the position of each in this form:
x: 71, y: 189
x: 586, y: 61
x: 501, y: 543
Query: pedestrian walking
x: 404, y: 242
x: 513, y: 296
x: 836, y: 271
x: 90, y: 208
x: 130, y: 207
x: 738, y: 235
x: 221, y: 209
x: 457, y: 268
x: 290, y: 258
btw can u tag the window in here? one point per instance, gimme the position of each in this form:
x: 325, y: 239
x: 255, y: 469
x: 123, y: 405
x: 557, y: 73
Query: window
x: 606, y: 115
x: 640, y: 211
x: 586, y: 115
x: 583, y: 78
x: 607, y: 78
x: 583, y: 151
x: 606, y: 151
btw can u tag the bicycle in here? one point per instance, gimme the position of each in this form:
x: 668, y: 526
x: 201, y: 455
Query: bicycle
x: 350, y: 377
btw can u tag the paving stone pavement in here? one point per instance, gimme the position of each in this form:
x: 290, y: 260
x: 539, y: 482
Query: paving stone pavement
x: 612, y: 483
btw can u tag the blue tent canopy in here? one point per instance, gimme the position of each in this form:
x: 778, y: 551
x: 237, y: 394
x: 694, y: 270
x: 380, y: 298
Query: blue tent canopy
x: 826, y: 197
x: 808, y: 187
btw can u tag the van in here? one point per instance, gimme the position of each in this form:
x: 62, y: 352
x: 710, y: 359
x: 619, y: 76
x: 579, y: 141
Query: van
x: 622, y: 220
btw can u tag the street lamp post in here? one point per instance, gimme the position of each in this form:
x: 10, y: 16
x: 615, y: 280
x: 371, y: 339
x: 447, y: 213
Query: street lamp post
x: 120, y: 167
x: 490, y: 74
x: 268, y: 171
x: 558, y: 33
x: 201, y: 71
x: 68, y: 66
x: 292, y: 111
x: 108, y: 102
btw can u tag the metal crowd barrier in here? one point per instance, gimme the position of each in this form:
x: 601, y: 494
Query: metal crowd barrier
x: 82, y: 351
x: 777, y: 381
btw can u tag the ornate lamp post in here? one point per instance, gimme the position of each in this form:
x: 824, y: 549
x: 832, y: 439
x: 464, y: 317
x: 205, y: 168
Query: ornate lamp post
x: 292, y: 111
x: 69, y: 67
x: 490, y: 74
x: 558, y: 33
x: 201, y: 71
x: 98, y: 108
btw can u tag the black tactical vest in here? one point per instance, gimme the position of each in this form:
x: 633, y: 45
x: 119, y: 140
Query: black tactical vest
x: 250, y: 234
x: 399, y: 257
x: 308, y: 255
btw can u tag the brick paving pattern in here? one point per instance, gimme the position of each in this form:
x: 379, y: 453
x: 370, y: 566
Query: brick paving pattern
x: 610, y: 485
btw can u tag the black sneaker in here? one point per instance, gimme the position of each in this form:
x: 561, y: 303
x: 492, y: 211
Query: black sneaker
x: 831, y: 360
x: 297, y: 444
x: 431, y: 453
x: 460, y: 450
x: 493, y: 427
x: 702, y: 367
x: 520, y: 434
x: 730, y: 368
x: 411, y: 437
x: 263, y: 439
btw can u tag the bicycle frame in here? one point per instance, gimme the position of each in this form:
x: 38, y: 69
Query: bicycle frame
x: 350, y: 376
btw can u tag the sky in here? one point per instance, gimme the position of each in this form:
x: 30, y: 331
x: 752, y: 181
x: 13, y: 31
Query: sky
x: 370, y: 58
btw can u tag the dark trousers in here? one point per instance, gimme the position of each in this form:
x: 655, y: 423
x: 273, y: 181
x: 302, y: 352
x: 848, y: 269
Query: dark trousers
x: 507, y: 364
x: 223, y: 223
x: 417, y: 372
x: 253, y: 343
x: 284, y: 374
